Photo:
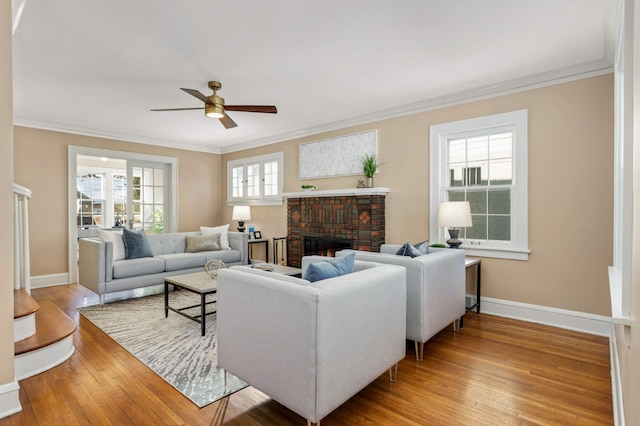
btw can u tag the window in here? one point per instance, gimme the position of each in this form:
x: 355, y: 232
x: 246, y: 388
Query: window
x: 256, y: 180
x: 483, y: 161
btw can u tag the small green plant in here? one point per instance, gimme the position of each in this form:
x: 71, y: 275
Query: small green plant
x: 370, y: 165
x: 308, y: 187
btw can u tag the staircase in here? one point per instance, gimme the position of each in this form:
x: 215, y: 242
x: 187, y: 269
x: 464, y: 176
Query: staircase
x: 43, y: 334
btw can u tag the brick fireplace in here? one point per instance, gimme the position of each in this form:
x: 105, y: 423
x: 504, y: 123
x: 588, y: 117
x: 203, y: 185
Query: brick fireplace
x: 356, y: 215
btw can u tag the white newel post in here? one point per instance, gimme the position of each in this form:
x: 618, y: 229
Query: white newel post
x: 22, y: 274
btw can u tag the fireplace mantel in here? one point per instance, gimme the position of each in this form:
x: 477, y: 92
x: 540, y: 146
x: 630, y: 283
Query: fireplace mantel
x: 338, y: 192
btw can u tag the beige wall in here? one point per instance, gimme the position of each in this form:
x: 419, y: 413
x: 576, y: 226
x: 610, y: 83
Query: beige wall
x: 7, y: 374
x: 570, y: 190
x: 41, y: 165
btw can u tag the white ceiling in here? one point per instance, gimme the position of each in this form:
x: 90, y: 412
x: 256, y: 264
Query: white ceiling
x: 97, y: 67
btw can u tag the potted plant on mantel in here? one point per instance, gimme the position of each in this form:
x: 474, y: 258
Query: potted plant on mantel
x: 370, y: 165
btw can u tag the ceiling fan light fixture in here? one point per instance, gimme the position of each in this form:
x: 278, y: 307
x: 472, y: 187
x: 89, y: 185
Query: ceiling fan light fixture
x: 214, y: 111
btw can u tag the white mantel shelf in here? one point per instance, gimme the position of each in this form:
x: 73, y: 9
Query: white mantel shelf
x: 337, y: 192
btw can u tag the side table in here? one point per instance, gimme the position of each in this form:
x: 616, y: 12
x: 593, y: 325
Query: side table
x: 473, y: 265
x: 264, y: 241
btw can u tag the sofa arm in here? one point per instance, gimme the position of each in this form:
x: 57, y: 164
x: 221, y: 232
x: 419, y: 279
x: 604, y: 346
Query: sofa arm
x: 240, y: 241
x: 95, y: 267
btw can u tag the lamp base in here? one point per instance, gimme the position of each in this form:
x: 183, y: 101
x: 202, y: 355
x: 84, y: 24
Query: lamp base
x: 454, y: 242
x: 241, y: 227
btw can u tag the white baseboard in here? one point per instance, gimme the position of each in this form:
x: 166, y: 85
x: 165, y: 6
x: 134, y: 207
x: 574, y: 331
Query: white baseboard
x: 9, y: 399
x: 616, y: 379
x: 563, y: 318
x: 49, y: 280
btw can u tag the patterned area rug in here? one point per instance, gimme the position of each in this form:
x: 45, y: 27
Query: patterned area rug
x: 172, y: 347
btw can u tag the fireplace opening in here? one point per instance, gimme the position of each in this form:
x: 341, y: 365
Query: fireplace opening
x: 325, y: 246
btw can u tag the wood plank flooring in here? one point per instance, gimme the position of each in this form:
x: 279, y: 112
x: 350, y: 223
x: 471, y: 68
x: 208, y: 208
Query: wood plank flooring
x: 496, y: 371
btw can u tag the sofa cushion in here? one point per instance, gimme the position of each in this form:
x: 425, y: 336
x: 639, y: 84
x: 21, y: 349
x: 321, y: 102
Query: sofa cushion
x: 136, y: 244
x: 197, y: 243
x: 178, y: 261
x: 408, y: 250
x: 227, y: 256
x: 136, y: 267
x: 330, y: 268
x: 115, y: 237
x: 223, y: 230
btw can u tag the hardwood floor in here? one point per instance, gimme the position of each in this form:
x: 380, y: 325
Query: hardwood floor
x: 495, y: 371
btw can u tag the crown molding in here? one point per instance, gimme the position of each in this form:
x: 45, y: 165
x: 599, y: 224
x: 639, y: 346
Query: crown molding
x: 551, y: 78
x: 559, y: 76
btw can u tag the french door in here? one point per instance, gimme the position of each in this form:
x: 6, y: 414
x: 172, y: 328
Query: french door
x: 147, y: 196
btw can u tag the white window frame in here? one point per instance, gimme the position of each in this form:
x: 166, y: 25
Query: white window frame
x: 518, y: 247
x: 260, y: 199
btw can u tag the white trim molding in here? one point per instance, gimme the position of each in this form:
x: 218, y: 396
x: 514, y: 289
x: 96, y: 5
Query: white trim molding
x: 571, y: 320
x: 9, y: 399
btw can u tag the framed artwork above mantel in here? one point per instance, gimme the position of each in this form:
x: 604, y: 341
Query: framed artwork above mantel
x: 338, y: 156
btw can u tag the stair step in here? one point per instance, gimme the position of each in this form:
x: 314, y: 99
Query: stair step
x: 23, y: 304
x: 52, y: 325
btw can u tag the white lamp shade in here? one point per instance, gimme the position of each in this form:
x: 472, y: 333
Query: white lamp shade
x: 454, y: 214
x: 241, y: 213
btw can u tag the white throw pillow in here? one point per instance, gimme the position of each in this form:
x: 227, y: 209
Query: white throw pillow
x: 118, y: 244
x: 223, y: 230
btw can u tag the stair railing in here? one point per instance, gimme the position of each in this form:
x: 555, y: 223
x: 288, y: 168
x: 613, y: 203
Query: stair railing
x: 22, y: 270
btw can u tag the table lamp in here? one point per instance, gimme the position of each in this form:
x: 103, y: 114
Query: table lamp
x: 241, y: 213
x: 454, y: 215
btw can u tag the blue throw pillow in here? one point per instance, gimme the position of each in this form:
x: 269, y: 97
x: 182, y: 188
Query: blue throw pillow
x: 409, y: 250
x: 136, y: 244
x: 332, y: 267
x: 423, y: 247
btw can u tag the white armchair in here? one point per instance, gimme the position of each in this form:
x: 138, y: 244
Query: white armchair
x: 311, y: 346
x: 435, y: 289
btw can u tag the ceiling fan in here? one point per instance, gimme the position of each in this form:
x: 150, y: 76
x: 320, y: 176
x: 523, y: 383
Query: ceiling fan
x: 214, y: 106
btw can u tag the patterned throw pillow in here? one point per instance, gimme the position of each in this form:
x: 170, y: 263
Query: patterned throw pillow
x: 409, y: 250
x: 136, y: 244
x: 196, y: 243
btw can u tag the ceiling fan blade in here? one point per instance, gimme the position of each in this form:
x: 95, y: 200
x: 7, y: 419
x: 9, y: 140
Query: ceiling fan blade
x: 176, y: 109
x: 198, y: 95
x: 227, y: 122
x: 269, y: 109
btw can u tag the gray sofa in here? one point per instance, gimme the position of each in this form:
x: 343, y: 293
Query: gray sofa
x: 101, y: 274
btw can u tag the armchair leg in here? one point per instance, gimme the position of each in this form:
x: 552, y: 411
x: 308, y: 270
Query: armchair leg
x: 393, y: 373
x: 456, y: 324
x: 310, y: 423
x: 419, y: 351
